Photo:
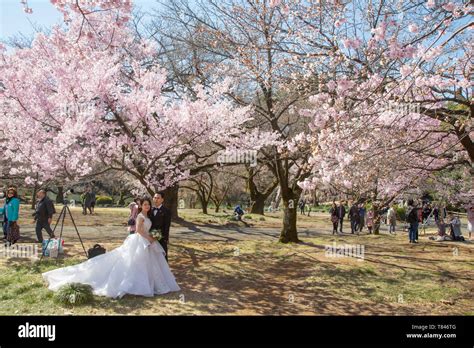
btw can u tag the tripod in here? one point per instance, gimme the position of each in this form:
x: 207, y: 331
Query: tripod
x: 61, y: 218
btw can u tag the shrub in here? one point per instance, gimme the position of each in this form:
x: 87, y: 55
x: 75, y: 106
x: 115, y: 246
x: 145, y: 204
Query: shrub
x: 74, y: 294
x: 401, y: 213
x: 103, y: 200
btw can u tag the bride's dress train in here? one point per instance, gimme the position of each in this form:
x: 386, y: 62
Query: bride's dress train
x: 137, y: 267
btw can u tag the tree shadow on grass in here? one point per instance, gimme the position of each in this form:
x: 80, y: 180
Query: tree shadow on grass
x: 265, y: 283
x: 196, y: 229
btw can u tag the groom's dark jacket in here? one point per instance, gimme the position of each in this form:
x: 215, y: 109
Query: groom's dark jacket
x: 161, y: 221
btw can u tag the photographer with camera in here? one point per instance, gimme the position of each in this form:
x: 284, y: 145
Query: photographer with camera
x: 43, y: 215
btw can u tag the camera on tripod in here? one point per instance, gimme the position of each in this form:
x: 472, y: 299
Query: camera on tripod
x: 60, y: 222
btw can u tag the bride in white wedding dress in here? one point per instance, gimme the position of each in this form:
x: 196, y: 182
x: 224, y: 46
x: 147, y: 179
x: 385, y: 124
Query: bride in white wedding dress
x: 137, y: 267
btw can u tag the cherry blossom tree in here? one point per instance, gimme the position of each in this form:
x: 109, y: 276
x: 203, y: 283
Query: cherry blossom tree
x: 394, y: 102
x: 88, y: 98
x: 249, y: 41
x: 364, y: 98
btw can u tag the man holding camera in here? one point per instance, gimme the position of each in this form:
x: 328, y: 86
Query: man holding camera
x: 43, y: 215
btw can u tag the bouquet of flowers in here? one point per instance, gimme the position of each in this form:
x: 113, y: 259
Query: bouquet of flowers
x: 156, y: 234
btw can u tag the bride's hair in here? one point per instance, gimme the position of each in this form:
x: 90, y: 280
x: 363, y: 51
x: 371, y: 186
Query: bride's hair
x: 146, y: 199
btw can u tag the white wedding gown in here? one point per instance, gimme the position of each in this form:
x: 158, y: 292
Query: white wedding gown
x: 137, y: 267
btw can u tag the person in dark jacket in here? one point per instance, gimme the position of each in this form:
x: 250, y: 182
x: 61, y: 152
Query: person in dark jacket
x: 341, y: 213
x: 87, y: 201
x: 412, y: 219
x: 354, y: 218
x: 161, y: 220
x: 238, y: 212
x: 334, y: 218
x: 43, y: 215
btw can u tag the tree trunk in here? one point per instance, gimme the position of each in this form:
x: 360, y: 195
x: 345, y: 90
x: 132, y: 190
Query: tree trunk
x: 121, y: 201
x: 289, y: 233
x: 217, y: 208
x: 204, y: 205
x: 258, y: 204
x: 258, y: 198
x: 277, y: 198
x: 171, y: 200
x: 376, y: 220
x: 60, y: 195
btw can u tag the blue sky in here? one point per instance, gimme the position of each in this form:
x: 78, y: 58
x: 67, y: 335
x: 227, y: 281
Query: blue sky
x: 14, y: 20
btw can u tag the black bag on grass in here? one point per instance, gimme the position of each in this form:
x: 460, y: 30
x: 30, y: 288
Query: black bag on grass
x: 96, y: 250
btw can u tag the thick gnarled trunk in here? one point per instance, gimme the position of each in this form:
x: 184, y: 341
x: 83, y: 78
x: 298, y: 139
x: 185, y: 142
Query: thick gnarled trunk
x: 289, y: 233
x: 257, y: 197
x: 258, y: 205
x: 171, y: 200
x: 60, y: 195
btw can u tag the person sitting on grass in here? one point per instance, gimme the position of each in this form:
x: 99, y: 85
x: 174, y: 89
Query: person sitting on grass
x: 442, y: 236
x: 238, y: 212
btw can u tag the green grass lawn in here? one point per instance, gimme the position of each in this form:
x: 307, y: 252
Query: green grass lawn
x: 265, y: 277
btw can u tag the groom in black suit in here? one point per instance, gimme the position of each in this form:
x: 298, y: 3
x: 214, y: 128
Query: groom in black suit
x: 161, y: 220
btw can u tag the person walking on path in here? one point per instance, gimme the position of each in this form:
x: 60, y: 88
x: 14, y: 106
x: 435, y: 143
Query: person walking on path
x: 334, y: 217
x: 341, y: 213
x: 370, y: 220
x: 43, y: 215
x: 87, y: 201
x: 391, y: 219
x: 354, y: 218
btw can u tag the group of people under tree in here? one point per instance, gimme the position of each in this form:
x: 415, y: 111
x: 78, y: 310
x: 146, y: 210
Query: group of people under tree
x: 361, y: 216
x: 303, y: 204
x: 43, y: 214
x: 415, y: 215
x: 10, y: 212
